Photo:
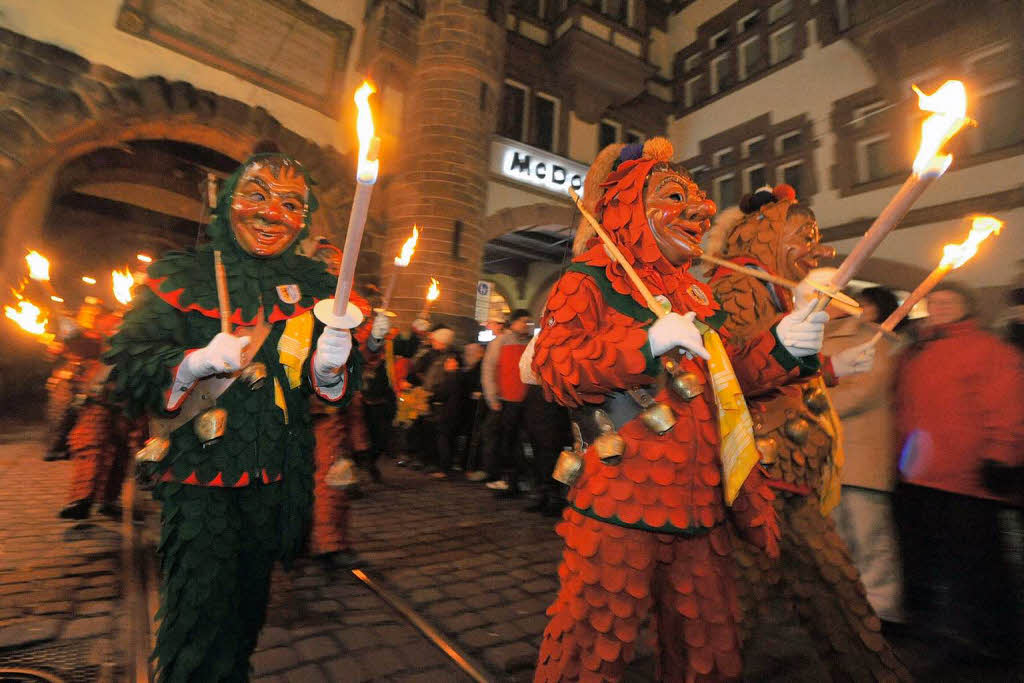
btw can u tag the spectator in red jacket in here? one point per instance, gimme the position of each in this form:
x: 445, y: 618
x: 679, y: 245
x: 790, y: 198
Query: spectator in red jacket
x: 504, y: 391
x: 959, y: 418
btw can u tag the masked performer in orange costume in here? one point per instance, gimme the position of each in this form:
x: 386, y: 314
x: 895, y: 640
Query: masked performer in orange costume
x: 646, y: 526
x: 797, y: 433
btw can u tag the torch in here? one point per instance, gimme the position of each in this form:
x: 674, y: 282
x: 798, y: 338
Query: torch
x: 433, y: 291
x: 123, y: 282
x: 949, y: 107
x: 953, y: 256
x: 401, y: 261
x: 339, y: 312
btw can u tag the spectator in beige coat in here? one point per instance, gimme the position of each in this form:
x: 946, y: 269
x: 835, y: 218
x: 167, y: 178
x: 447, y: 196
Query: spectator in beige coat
x: 864, y: 404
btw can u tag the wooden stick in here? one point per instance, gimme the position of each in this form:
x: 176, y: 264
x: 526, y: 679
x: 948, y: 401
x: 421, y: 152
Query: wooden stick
x: 652, y: 303
x: 844, y: 306
x: 222, y: 293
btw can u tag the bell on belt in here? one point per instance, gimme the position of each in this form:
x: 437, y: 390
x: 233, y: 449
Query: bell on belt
x: 342, y: 474
x: 659, y: 418
x: 255, y: 375
x: 816, y: 400
x: 687, y: 385
x: 210, y: 426
x: 568, y: 467
x: 154, y: 450
x: 768, y: 447
x: 797, y: 429
x: 610, y: 447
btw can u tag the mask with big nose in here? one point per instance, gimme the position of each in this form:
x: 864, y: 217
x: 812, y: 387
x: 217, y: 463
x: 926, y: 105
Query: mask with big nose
x: 678, y: 214
x: 268, y: 209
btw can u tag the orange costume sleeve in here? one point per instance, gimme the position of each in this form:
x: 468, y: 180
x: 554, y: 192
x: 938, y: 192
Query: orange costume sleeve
x: 586, y: 349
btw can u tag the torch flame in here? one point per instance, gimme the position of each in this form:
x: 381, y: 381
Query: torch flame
x: 369, y: 145
x: 28, y: 316
x: 408, y: 249
x: 434, y: 290
x: 38, y: 266
x: 123, y: 282
x: 955, y: 255
x: 949, y: 104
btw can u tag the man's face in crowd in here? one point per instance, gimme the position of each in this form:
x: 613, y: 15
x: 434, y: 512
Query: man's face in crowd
x: 678, y: 214
x: 945, y: 307
x: 520, y: 325
x: 801, y: 249
x: 268, y: 209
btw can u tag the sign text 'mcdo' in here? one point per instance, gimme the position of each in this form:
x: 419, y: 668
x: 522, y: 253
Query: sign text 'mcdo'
x: 536, y: 167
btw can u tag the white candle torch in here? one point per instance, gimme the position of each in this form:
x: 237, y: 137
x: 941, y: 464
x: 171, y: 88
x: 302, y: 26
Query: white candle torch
x: 949, y: 107
x: 401, y: 261
x: 122, y: 282
x: 433, y: 291
x: 953, y: 256
x: 339, y: 312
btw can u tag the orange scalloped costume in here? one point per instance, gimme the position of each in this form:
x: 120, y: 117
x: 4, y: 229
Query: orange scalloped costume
x: 647, y: 535
x: 798, y: 436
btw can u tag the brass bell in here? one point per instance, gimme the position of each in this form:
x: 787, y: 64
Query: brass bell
x: 687, y: 385
x: 659, y: 418
x: 797, y: 429
x: 568, y: 467
x: 768, y: 447
x: 210, y: 426
x: 154, y: 450
x: 342, y: 474
x: 255, y: 375
x: 816, y: 400
x: 610, y: 447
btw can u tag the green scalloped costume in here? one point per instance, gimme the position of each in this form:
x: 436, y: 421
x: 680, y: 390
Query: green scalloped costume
x: 231, y: 509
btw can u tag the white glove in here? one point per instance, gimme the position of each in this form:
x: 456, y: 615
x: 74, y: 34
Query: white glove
x: 801, y: 334
x: 222, y: 355
x: 381, y: 326
x: 850, y: 361
x: 804, y: 292
x: 526, y: 373
x: 332, y: 351
x: 674, y: 330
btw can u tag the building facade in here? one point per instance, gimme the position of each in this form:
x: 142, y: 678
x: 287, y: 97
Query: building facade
x: 116, y: 111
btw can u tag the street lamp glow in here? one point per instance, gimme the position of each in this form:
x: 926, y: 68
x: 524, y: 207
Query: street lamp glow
x: 145, y: 258
x: 88, y: 280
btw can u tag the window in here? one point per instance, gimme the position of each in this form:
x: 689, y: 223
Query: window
x: 782, y: 43
x: 753, y: 147
x: 789, y: 142
x: 719, y: 39
x: 998, y: 115
x: 691, y: 91
x: 748, y: 22
x: 779, y: 10
x: 720, y: 75
x: 633, y: 136
x: 874, y: 158
x: 534, y: 8
x: 615, y: 9
x: 862, y: 116
x: 699, y: 175
x: 750, y: 57
x: 726, y: 191
x: 607, y: 133
x: 545, y: 121
x: 792, y: 174
x: 842, y: 15
x: 513, y: 111
x: 692, y: 62
x: 724, y: 157
x: 755, y: 177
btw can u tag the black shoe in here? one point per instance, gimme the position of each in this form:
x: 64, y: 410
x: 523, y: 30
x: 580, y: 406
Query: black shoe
x: 403, y: 462
x: 111, y: 510
x: 76, y: 510
x: 52, y: 455
x: 342, y: 559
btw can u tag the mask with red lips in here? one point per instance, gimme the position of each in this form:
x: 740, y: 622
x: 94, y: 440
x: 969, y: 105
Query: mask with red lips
x: 678, y: 214
x: 269, y: 208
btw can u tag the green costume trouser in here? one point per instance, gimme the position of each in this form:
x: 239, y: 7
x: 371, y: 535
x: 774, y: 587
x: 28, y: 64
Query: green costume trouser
x: 217, y: 548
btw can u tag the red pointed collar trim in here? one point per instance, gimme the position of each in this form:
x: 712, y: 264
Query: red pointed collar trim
x: 173, y: 299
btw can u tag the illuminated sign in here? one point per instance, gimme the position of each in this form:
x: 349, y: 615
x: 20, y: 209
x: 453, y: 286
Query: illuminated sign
x: 536, y: 167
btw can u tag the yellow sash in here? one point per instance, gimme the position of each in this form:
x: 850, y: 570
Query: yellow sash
x: 292, y: 350
x: 831, y: 483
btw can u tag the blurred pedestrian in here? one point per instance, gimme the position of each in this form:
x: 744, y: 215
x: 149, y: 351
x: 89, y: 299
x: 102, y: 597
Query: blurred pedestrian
x: 505, y: 392
x: 487, y: 425
x: 435, y: 370
x: 959, y: 393
x: 864, y: 404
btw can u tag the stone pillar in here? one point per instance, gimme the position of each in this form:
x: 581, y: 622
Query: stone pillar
x: 451, y: 106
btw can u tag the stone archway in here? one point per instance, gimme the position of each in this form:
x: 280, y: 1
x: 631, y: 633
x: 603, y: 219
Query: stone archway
x: 521, y: 217
x: 56, y: 106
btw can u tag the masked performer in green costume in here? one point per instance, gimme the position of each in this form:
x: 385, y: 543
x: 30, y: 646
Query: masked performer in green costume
x: 234, y: 506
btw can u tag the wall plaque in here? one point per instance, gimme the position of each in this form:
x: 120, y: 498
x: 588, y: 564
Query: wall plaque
x: 285, y: 46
